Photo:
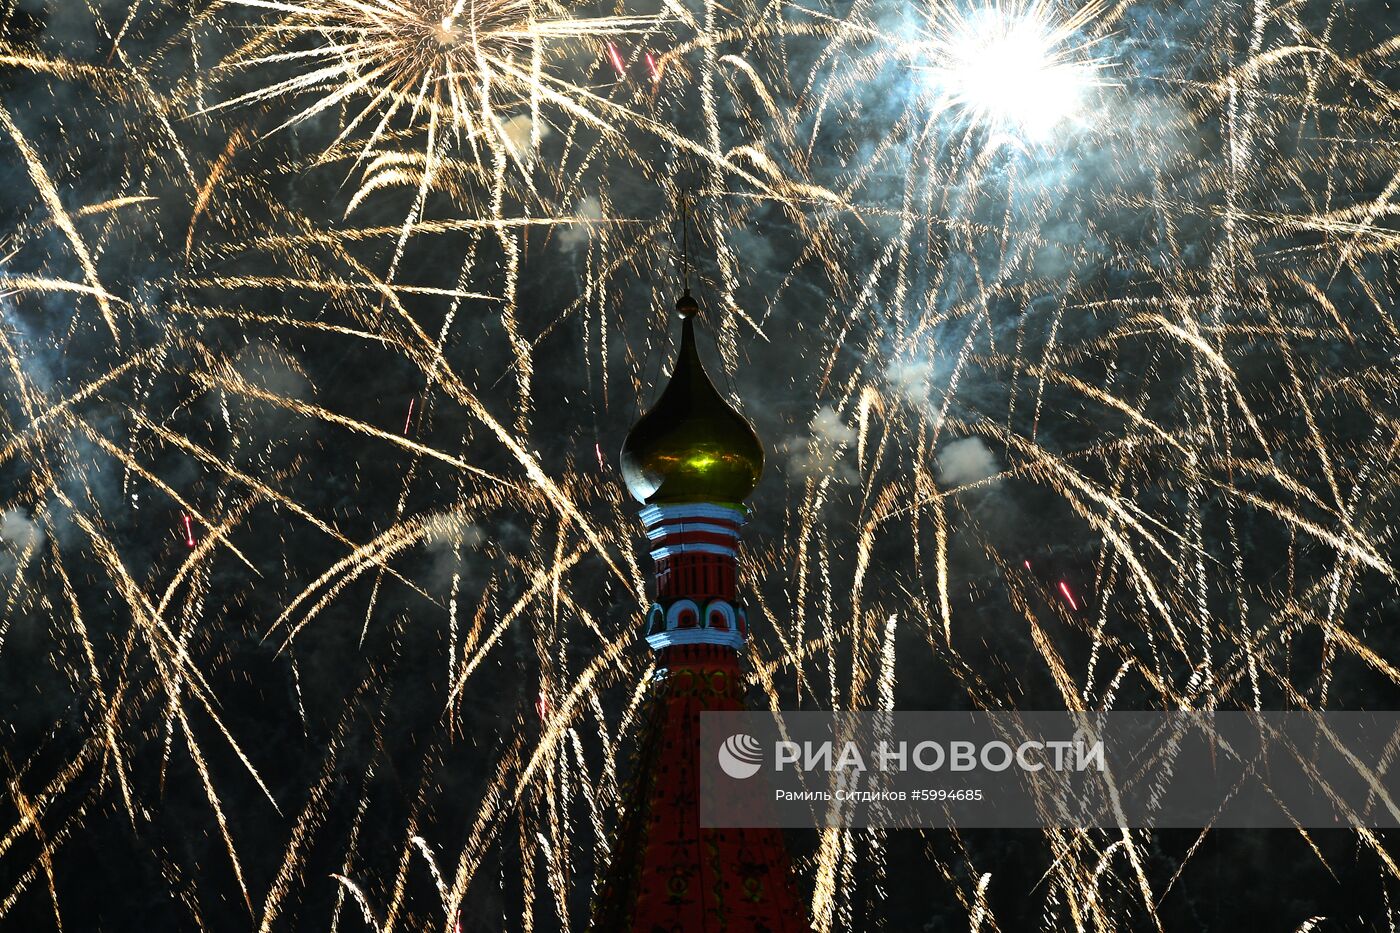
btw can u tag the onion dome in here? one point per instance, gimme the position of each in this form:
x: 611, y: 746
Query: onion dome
x: 691, y: 446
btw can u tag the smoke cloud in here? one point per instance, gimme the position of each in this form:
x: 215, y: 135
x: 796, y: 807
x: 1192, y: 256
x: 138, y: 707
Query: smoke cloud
x: 589, y: 208
x: 519, y: 129
x: 966, y: 461
x: 819, y: 452
x: 20, y: 538
x: 446, y: 543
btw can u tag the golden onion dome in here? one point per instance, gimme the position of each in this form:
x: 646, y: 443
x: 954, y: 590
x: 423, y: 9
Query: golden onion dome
x: 691, y: 446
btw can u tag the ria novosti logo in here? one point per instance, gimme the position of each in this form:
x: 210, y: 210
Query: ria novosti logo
x: 740, y: 756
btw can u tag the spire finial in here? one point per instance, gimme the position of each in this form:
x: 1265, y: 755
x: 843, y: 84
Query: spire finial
x: 686, y: 306
x: 685, y: 241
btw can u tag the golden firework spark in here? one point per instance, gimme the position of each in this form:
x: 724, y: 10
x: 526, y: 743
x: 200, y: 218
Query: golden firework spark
x: 1182, y: 380
x: 476, y: 70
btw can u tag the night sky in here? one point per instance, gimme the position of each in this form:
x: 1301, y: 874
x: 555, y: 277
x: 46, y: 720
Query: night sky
x: 1071, y: 333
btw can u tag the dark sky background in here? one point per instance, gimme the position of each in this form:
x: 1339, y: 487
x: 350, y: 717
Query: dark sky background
x: 1147, y: 359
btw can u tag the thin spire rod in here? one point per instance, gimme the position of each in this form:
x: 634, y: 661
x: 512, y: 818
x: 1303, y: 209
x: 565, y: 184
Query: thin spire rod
x: 685, y: 241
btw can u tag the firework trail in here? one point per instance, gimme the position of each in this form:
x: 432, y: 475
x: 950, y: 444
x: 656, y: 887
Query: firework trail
x: 1071, y: 328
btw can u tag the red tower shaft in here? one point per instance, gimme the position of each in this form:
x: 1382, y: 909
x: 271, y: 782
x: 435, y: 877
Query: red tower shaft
x: 667, y: 873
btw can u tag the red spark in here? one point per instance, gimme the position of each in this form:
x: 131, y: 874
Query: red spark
x: 1028, y: 565
x: 409, y: 419
x: 651, y: 66
x: 1069, y: 597
x: 189, y: 531
x: 602, y: 464
x: 616, y: 58
x: 542, y: 707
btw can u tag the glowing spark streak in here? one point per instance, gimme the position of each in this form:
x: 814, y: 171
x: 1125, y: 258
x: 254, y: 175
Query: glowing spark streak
x: 651, y: 67
x: 20, y: 231
x: 162, y: 641
x: 1068, y: 481
x: 101, y: 440
x: 250, y: 318
x: 216, y: 805
x: 432, y: 362
x: 887, y: 680
x: 23, y: 439
x: 712, y: 156
x: 1069, y: 597
x: 29, y: 815
x: 231, y: 381
x: 616, y: 58
x: 189, y: 531
x: 1353, y: 546
x: 22, y: 283
x: 334, y: 286
x: 979, y: 902
x: 360, y: 899
x: 165, y: 647
x: 271, y: 494
x: 311, y: 818
x: 131, y: 463
x: 482, y: 829
x: 940, y: 527
x: 1106, y: 399
x: 1218, y: 362
x: 237, y: 140
x: 40, y: 177
x: 780, y: 120
x: 375, y: 553
x: 114, y: 748
x: 602, y: 464
x: 431, y: 860
x: 107, y: 80
x: 408, y: 420
x: 542, y: 581
x: 453, y: 225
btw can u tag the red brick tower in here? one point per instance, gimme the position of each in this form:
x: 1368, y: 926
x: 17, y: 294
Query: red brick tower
x: 692, y: 460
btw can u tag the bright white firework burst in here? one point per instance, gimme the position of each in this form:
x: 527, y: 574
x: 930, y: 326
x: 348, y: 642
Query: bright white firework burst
x: 1020, y: 67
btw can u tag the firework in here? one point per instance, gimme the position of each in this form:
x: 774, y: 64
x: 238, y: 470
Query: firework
x: 468, y: 71
x: 1095, y: 290
x: 1019, y: 67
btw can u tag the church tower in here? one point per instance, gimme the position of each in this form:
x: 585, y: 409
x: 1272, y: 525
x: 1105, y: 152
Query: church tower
x: 692, y: 460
